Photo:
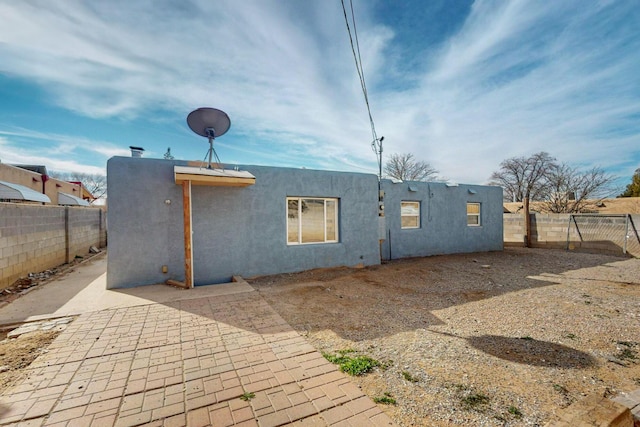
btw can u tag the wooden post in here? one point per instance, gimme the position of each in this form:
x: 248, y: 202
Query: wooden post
x: 527, y: 223
x: 188, y: 248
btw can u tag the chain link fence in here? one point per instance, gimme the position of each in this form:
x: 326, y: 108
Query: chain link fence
x: 615, y: 234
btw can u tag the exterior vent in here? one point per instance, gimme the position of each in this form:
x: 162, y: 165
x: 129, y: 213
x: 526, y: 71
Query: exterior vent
x: 136, y: 151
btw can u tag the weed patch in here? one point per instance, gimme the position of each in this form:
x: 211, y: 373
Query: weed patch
x: 355, y: 366
x: 517, y: 413
x: 359, y: 365
x: 247, y: 396
x: 474, y: 400
x: 628, y: 343
x: 560, y: 389
x: 336, y: 360
x: 407, y: 376
x: 387, y: 399
x: 628, y: 351
x: 470, y: 398
x: 386, y: 364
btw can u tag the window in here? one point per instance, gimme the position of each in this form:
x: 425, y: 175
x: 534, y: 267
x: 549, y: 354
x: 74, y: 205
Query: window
x: 473, y: 214
x: 311, y: 220
x: 410, y: 214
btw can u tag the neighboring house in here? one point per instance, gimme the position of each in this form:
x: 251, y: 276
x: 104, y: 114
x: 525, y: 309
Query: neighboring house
x: 31, y: 183
x: 269, y: 220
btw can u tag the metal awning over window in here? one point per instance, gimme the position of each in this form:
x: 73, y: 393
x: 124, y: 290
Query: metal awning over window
x: 11, y: 191
x: 213, y: 177
x: 70, y: 200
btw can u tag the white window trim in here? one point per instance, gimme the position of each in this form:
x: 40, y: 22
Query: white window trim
x: 479, y: 224
x: 324, y: 199
x: 417, y: 216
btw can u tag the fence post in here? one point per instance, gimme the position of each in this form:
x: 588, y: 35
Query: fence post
x: 527, y: 223
x: 635, y: 230
x: 568, y: 230
x: 626, y: 234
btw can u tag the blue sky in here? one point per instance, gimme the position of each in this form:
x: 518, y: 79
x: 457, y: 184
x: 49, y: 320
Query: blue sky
x: 462, y: 85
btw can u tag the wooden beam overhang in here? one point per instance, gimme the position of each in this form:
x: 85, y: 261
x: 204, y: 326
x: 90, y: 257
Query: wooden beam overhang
x: 213, y: 177
x: 186, y: 176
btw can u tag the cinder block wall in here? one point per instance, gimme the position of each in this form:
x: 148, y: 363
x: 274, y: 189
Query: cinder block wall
x: 86, y: 230
x: 550, y: 231
x: 36, y: 237
x: 513, y: 230
x: 547, y: 230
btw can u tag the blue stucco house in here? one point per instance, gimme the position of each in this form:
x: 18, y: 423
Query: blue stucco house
x: 171, y: 219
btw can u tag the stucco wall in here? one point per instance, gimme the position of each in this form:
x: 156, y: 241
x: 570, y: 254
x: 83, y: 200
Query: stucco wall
x: 236, y: 231
x: 443, y: 219
x: 34, y: 238
x: 34, y: 180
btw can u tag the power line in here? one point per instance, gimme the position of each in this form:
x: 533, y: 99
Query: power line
x: 376, y: 144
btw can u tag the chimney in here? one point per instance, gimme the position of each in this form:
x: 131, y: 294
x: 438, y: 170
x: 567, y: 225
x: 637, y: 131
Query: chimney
x: 136, y: 151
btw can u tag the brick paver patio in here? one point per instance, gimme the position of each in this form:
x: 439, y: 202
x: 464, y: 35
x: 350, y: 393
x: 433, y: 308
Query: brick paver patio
x: 186, y: 363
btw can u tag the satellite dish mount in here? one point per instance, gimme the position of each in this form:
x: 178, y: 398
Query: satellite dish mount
x: 211, y: 134
x: 210, y: 123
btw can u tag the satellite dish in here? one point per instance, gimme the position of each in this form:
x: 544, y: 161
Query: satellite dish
x: 210, y: 123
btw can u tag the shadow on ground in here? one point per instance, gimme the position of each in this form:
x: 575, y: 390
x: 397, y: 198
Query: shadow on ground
x: 530, y: 351
x: 399, y: 296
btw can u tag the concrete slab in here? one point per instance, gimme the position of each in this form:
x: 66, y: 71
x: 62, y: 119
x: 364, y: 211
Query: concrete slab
x: 83, y: 290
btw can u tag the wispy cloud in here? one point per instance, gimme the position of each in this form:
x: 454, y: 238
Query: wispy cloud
x: 284, y: 76
x: 16, y: 146
x: 522, y: 77
x: 518, y: 77
x: 19, y: 155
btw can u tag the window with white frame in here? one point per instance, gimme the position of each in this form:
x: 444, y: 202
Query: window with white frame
x: 473, y: 214
x: 311, y: 220
x: 410, y: 214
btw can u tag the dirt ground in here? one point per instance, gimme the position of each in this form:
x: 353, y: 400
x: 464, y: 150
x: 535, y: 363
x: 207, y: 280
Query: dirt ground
x: 503, y: 338
x: 18, y: 353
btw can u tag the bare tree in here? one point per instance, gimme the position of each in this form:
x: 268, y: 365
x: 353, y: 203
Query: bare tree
x: 573, y: 191
x: 524, y: 179
x: 633, y: 189
x: 95, y: 183
x: 405, y: 168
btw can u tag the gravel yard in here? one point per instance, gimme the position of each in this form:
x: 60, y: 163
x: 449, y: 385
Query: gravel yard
x: 502, y: 338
